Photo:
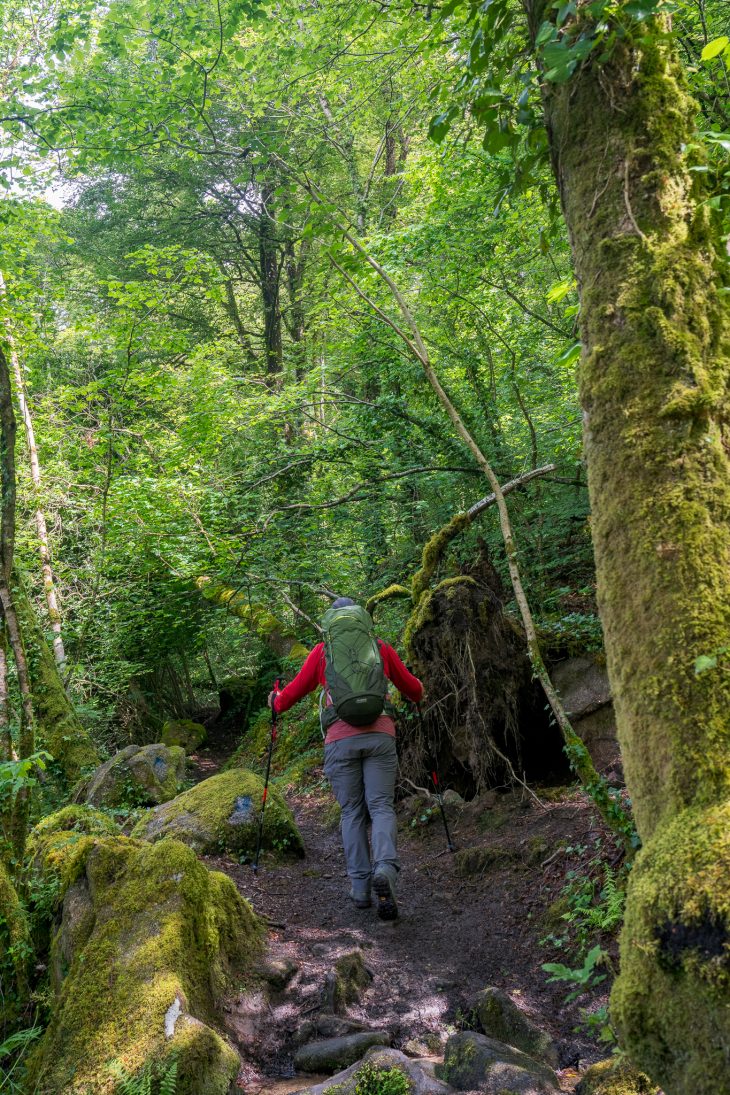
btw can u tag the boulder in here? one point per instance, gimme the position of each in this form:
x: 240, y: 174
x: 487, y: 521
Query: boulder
x: 333, y: 1053
x: 474, y: 1062
x: 417, y: 1079
x: 140, y: 775
x: 586, y: 694
x: 56, y: 848
x: 222, y: 814
x: 613, y: 1077
x: 499, y: 1017
x: 151, y: 941
x: 187, y: 734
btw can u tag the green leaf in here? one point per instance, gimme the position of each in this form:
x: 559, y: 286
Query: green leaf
x: 569, y: 356
x: 705, y: 662
x: 559, y: 290
x: 715, y: 48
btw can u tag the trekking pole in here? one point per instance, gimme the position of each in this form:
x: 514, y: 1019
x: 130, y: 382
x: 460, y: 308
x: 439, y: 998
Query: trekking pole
x: 437, y: 785
x: 266, y: 781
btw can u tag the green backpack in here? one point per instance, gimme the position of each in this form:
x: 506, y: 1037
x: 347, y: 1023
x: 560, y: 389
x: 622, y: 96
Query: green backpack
x: 354, y: 674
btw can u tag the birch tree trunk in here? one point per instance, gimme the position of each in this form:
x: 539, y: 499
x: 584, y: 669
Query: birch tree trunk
x: 49, y: 585
x: 26, y: 739
x: 654, y: 386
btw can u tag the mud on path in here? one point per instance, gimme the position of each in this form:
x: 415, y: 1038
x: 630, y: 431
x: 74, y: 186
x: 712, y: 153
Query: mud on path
x: 457, y: 932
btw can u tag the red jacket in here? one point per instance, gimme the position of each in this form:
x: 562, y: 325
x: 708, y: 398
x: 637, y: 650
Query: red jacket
x: 312, y: 673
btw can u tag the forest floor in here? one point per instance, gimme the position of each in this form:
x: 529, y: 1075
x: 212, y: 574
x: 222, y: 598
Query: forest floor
x: 463, y: 926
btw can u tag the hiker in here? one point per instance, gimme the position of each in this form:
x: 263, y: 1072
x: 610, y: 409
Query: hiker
x: 360, y: 761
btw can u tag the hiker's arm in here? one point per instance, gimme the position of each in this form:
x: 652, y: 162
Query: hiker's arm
x: 408, y: 685
x: 305, y: 682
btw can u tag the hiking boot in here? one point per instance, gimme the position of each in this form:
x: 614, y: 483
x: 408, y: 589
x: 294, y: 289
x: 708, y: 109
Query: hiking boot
x: 360, y: 899
x: 384, y: 887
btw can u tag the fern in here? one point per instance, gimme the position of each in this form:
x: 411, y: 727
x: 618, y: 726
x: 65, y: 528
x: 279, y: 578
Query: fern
x: 151, y: 1081
x: 168, y: 1083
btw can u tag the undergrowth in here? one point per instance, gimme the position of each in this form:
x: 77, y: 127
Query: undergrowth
x: 153, y: 1080
x: 591, y: 907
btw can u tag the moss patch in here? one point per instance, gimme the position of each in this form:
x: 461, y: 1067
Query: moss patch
x: 433, y: 553
x: 222, y: 813
x: 15, y: 946
x: 615, y: 1078
x: 169, y: 939
x: 185, y: 733
x: 673, y: 992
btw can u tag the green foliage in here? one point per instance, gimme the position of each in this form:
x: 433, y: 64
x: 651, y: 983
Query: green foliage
x: 153, y: 1080
x: 16, y: 775
x: 12, y: 1052
x: 382, y: 1081
x: 584, y: 977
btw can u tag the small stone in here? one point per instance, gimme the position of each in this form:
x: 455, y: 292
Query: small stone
x: 414, y: 1047
x: 304, y: 1033
x: 278, y: 972
x: 334, y: 1053
x: 452, y: 798
x: 334, y: 1026
x: 344, y: 984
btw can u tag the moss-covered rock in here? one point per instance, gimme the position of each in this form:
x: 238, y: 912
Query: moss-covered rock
x: 78, y: 817
x: 614, y: 1077
x: 673, y: 992
x: 57, y: 847
x: 163, y: 939
x: 331, y: 1054
x: 187, y: 734
x: 499, y: 1017
x: 222, y: 813
x: 345, y: 983
x: 382, y: 1069
x: 140, y: 775
x: 475, y: 1062
x: 474, y: 861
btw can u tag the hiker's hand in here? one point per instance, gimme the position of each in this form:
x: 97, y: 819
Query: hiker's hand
x: 272, y: 697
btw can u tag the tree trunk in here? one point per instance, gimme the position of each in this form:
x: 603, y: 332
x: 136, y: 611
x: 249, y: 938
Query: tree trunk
x: 59, y: 728
x: 26, y: 736
x: 49, y: 584
x: 269, y: 274
x: 295, y: 267
x: 654, y: 387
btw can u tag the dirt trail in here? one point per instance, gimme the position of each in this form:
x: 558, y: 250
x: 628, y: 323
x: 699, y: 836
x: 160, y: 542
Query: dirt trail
x: 455, y: 935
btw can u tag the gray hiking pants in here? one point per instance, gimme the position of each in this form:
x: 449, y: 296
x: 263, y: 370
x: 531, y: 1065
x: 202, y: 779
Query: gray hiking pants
x: 362, y: 771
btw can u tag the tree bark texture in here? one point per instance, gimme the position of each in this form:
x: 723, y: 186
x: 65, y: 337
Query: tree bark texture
x: 654, y: 387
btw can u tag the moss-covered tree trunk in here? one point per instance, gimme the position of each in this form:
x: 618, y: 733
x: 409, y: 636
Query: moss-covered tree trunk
x: 654, y: 387
x: 59, y: 729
